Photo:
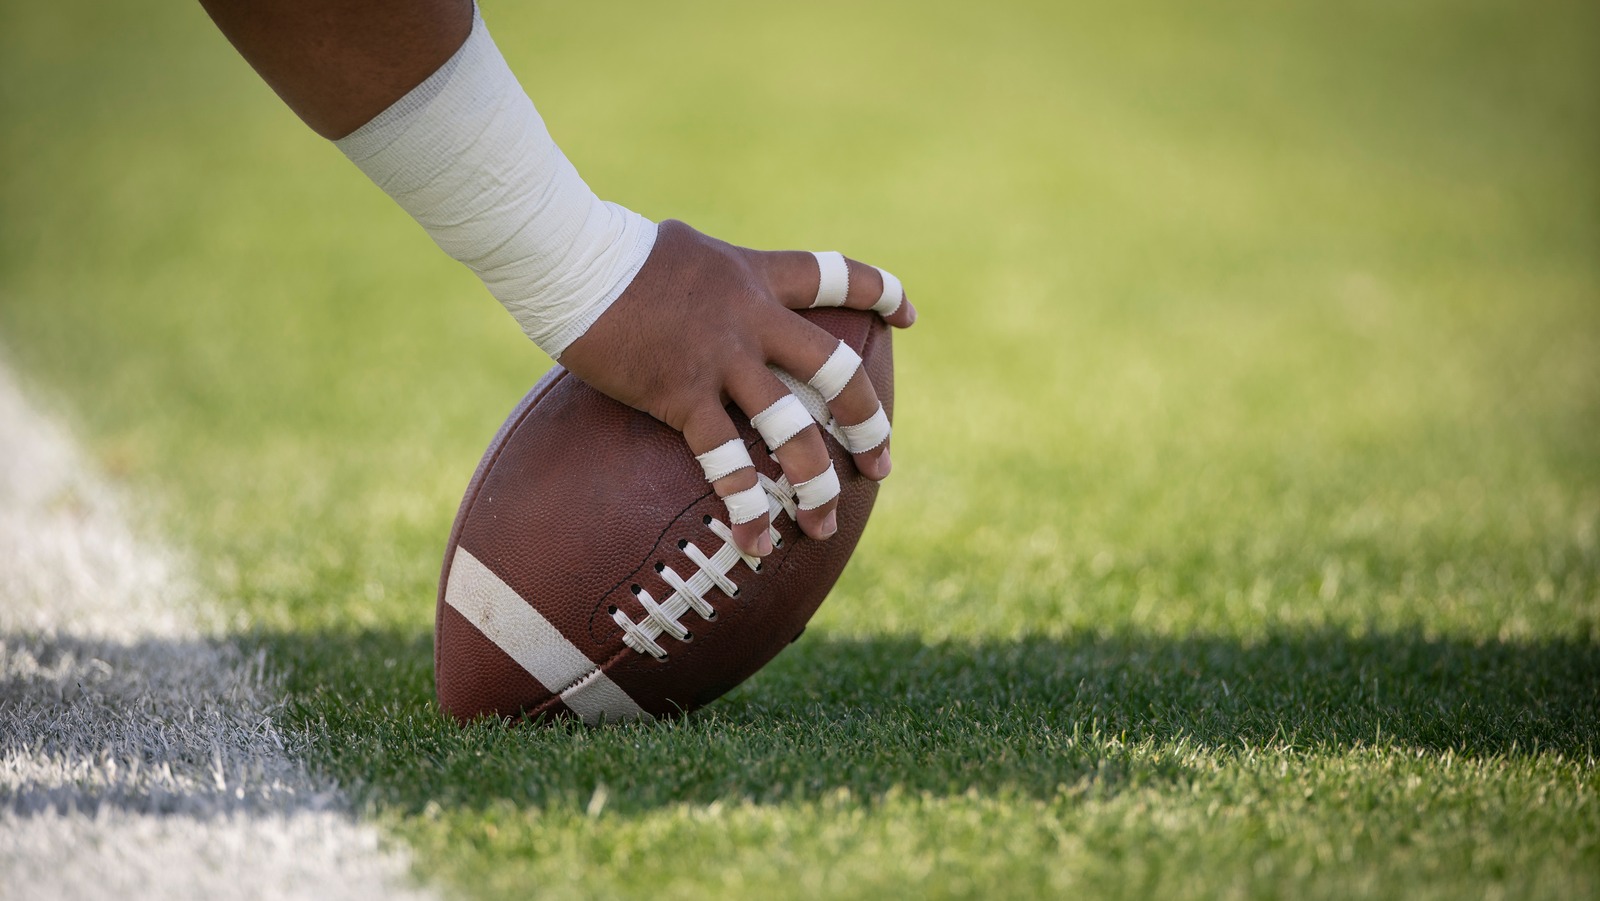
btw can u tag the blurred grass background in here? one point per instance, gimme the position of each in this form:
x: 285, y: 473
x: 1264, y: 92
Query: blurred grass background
x: 1243, y: 535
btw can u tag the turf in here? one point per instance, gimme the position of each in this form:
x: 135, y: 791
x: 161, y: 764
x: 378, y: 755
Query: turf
x: 1243, y: 535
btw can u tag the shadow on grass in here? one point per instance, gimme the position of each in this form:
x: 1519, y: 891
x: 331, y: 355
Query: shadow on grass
x: 1093, y: 713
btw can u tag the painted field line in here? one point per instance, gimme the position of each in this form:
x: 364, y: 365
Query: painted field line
x: 139, y: 757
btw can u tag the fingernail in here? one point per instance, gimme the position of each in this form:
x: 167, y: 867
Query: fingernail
x: 912, y: 319
x: 884, y: 464
x: 830, y: 524
x: 763, y: 545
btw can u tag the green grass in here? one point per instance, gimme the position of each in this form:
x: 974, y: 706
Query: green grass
x: 1244, y: 538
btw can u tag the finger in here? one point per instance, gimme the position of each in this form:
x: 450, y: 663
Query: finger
x: 790, y: 432
x: 803, y: 280
x: 728, y: 467
x: 836, y: 373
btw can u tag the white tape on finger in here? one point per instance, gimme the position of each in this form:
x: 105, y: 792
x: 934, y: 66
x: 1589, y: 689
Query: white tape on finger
x: 894, y: 294
x: 783, y: 420
x: 837, y: 371
x: 747, y: 505
x: 864, y: 436
x: 725, y: 459
x: 818, y: 490
x: 833, y: 283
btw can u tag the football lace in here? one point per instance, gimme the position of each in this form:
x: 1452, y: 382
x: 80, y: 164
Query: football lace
x: 710, y: 571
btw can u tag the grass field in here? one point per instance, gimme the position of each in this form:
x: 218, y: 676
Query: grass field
x: 1244, y: 537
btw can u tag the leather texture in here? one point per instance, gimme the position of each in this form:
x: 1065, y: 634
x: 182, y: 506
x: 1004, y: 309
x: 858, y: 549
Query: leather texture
x: 579, y: 497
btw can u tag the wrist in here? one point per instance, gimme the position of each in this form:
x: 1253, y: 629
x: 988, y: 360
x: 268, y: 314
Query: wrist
x: 467, y: 155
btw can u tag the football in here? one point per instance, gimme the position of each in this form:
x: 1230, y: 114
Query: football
x: 584, y: 511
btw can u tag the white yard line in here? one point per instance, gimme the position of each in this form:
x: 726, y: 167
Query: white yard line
x: 139, y: 757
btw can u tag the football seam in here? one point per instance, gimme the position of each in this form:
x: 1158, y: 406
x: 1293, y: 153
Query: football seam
x: 644, y: 564
x: 769, y: 568
x: 644, y: 569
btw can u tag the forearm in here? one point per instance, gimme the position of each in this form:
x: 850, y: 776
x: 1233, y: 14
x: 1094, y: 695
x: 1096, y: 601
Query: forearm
x: 467, y: 155
x: 431, y: 113
x: 339, y: 63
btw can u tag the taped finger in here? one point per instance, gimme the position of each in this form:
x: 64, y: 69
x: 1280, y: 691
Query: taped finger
x: 747, y: 505
x: 894, y: 294
x: 726, y: 463
x: 864, y: 436
x: 836, y: 372
x: 818, y: 490
x: 833, y: 283
x: 786, y: 418
x: 725, y: 459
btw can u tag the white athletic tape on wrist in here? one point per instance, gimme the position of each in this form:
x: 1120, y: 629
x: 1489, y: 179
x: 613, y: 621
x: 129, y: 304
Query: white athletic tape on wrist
x: 864, y: 436
x: 818, y: 490
x: 466, y: 154
x: 834, y: 374
x: 744, y: 506
x: 725, y: 459
x: 786, y: 418
x: 894, y: 294
x: 833, y: 281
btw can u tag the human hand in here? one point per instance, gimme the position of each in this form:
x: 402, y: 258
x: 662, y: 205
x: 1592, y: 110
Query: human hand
x: 698, y: 327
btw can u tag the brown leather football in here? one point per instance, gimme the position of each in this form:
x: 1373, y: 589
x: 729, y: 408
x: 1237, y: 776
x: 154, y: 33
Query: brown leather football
x: 584, y: 508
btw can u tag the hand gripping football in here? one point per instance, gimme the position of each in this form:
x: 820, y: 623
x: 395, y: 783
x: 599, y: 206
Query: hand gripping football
x: 585, y: 512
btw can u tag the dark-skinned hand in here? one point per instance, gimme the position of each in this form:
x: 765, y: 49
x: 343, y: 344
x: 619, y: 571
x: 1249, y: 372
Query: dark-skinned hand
x: 697, y: 329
